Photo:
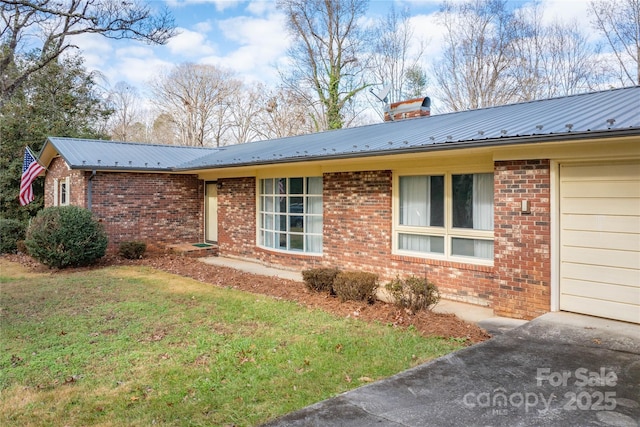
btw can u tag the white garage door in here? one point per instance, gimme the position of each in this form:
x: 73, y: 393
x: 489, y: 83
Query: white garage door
x: 600, y: 240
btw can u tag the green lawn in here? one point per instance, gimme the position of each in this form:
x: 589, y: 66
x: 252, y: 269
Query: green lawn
x: 134, y: 346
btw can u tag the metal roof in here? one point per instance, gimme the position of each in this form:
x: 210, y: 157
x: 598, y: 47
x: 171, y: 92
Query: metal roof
x: 596, y: 115
x: 101, y: 154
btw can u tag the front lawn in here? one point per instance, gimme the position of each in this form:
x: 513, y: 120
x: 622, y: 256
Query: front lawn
x: 135, y: 346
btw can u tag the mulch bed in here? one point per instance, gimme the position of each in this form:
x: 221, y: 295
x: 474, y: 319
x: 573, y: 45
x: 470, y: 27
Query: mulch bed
x: 427, y: 323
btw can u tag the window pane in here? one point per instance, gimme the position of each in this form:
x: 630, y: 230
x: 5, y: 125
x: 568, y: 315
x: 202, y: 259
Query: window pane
x: 296, y: 242
x: 267, y: 186
x: 267, y: 204
x: 462, y: 200
x: 295, y: 223
x: 268, y: 239
x: 472, y: 248
x: 314, y: 185
x: 422, y: 201
x: 314, y: 244
x: 314, y: 205
x: 281, y: 204
x: 295, y: 186
x: 282, y: 186
x: 268, y: 222
x: 413, y: 200
x: 281, y: 222
x: 314, y: 224
x: 296, y: 205
x: 417, y: 243
x: 280, y: 241
x: 437, y: 201
x: 473, y: 201
x: 483, y: 201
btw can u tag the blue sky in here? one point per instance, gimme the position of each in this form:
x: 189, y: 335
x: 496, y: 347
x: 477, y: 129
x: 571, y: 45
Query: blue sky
x: 248, y: 37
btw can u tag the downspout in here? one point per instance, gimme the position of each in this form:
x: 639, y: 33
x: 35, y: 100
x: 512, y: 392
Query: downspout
x: 90, y: 189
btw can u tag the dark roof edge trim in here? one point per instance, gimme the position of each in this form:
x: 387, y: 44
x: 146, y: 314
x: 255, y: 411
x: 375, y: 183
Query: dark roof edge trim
x: 442, y: 146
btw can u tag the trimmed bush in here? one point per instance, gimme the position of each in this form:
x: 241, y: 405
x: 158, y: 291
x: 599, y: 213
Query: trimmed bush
x: 320, y: 279
x: 11, y: 231
x: 132, y: 250
x: 414, y: 293
x: 66, y: 236
x: 356, y: 286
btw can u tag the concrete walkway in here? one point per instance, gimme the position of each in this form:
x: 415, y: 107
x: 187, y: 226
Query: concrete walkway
x: 561, y: 369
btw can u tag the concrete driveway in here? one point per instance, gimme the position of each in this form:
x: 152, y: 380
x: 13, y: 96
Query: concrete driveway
x: 561, y: 369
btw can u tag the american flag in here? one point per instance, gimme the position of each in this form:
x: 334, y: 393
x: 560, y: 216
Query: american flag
x: 30, y: 171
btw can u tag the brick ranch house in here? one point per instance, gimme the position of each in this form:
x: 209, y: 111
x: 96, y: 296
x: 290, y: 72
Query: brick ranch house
x: 524, y: 208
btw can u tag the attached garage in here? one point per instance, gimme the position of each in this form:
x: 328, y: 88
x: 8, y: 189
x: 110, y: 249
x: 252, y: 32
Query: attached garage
x: 600, y: 239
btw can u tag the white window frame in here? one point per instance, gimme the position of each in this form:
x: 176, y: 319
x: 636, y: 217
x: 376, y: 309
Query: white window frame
x: 61, y: 190
x: 64, y: 192
x: 267, y: 229
x: 447, y: 232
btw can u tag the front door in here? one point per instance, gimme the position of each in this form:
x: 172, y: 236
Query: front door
x: 211, y: 212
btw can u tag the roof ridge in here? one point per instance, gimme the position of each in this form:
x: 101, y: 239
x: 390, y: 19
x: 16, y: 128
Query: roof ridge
x: 146, y: 144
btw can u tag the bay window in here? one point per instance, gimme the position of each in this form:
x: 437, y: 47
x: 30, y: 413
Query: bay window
x: 445, y: 216
x: 290, y: 214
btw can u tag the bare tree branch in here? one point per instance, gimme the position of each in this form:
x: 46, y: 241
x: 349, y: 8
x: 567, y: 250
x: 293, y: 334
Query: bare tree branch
x: 41, y: 28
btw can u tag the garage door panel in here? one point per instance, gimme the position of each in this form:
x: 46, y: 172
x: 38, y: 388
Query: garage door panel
x: 602, y: 292
x: 596, y: 239
x: 595, y: 206
x: 604, y: 257
x: 607, y: 223
x: 613, y: 172
x: 600, y: 239
x: 608, y: 309
x: 603, y: 189
x: 599, y: 274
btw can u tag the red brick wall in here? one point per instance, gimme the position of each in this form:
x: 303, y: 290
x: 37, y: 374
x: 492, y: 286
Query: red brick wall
x: 358, y: 232
x: 237, y: 216
x: 522, y: 260
x: 358, y: 211
x: 357, y: 227
x: 58, y: 169
x: 156, y: 208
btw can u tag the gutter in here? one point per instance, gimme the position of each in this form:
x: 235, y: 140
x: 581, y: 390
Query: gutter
x: 90, y: 190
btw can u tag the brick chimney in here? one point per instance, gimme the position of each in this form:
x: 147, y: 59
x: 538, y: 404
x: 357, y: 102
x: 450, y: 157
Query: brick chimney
x: 417, y: 107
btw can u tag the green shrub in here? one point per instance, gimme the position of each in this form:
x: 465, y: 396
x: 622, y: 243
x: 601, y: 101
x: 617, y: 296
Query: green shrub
x: 132, y: 250
x: 11, y: 231
x: 320, y: 279
x: 65, y: 236
x: 414, y: 293
x: 356, y: 286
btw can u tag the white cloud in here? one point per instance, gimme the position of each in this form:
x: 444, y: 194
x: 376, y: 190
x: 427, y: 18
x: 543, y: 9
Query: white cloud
x: 95, y: 49
x: 220, y: 5
x: 203, y: 27
x: 262, y: 42
x: 190, y: 44
x: 261, y: 7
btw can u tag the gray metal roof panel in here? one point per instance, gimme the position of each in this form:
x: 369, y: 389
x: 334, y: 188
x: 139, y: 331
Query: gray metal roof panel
x: 558, y: 117
x: 580, y: 115
x: 113, y: 155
